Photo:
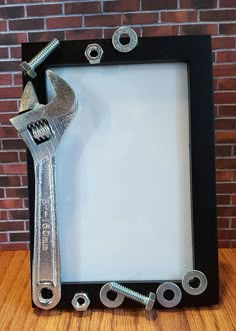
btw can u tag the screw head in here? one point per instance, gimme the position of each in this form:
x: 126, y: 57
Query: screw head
x: 151, y: 301
x: 27, y: 69
x: 80, y: 306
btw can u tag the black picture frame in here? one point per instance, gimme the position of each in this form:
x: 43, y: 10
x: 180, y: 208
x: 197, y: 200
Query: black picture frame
x: 196, y: 52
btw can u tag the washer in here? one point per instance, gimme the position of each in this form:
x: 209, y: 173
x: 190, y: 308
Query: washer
x: 176, y: 291
x: 107, y: 302
x: 194, y: 274
x: 128, y: 47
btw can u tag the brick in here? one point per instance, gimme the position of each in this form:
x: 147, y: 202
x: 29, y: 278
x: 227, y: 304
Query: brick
x: 21, y: 214
x: 102, y: 20
x: 13, y: 246
x: 224, y: 70
x: 19, y: 236
x: 121, y: 6
x: 223, y: 176
x: 223, y: 42
x: 83, y: 7
x: 19, y: 168
x: 223, y: 150
x: 10, y: 92
x: 233, y: 223
x: 226, y: 163
x: 11, y: 226
x: 13, y: 38
x: 27, y: 227
x: 3, y: 215
x: 160, y: 31
x: 3, y: 237
x: 3, y: 26
x: 26, y: 203
x: 5, y: 79
x: 227, y: 84
x: 194, y: 29
x: 227, y: 110
x: 198, y: 4
x: 15, y: 52
x: 226, y: 188
x: 225, y: 124
x: 229, y: 56
x: 26, y: 24
x: 1, y: 193
x: 23, y: 157
x: 5, y: 118
x: 179, y: 16
x: 8, y: 106
x: 233, y: 244
x: 158, y: 4
x: 20, y: 192
x: 233, y: 199
x: 222, y: 222
x: 227, y: 28
x: 227, y: 234
x: 9, y: 66
x: 17, y: 79
x: 217, y: 15
x: 64, y: 22
x: 8, y: 157
x: 24, y: 180
x: 84, y: 34
x: 44, y: 10
x: 45, y: 36
x: 15, y: 144
x: 7, y: 132
x: 11, y: 12
x: 223, y: 243
x: 225, y: 97
x: 228, y: 3
x: 3, y: 52
x: 139, y: 18
x: 11, y: 203
x: 223, y: 199
x: 9, y: 181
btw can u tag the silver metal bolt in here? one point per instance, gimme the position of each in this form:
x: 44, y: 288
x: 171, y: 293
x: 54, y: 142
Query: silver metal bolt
x: 28, y: 68
x: 148, y: 302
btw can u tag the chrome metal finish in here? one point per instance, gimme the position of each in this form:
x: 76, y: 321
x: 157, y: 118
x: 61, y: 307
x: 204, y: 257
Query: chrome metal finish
x: 42, y: 129
x: 148, y: 302
x: 190, y: 275
x: 29, y: 68
x: 174, y: 289
x: 85, y: 302
x: 93, y: 53
x: 106, y: 301
x: 122, y: 32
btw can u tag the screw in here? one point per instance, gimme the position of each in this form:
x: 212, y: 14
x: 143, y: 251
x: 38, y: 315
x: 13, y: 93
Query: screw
x: 148, y: 302
x: 28, y: 68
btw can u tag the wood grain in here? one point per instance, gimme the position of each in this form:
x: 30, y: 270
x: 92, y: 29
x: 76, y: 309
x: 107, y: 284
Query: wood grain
x: 16, y: 312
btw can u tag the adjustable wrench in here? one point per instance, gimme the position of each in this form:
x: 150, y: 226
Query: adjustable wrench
x: 42, y: 127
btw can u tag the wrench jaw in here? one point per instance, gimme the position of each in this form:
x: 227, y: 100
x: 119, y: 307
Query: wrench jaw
x: 42, y: 127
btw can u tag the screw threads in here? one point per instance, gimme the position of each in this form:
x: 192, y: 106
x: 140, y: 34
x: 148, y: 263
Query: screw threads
x: 44, y: 53
x: 133, y: 295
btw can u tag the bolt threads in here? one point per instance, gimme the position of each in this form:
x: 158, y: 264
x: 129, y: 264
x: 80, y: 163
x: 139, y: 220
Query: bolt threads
x: 44, y: 53
x: 133, y: 295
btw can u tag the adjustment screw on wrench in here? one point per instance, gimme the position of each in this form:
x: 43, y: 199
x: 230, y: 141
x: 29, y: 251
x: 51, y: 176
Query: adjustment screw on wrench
x: 148, y: 302
x: 28, y: 68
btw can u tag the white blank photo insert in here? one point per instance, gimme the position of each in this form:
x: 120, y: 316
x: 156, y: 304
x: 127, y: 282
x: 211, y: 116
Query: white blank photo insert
x: 123, y: 174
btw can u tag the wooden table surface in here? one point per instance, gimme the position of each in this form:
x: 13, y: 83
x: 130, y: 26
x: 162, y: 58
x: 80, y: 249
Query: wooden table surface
x: 16, y: 312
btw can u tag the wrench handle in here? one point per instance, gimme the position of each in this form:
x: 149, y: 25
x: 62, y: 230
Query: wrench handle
x: 46, y: 283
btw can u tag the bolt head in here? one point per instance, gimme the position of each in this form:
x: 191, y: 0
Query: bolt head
x: 80, y: 306
x: 27, y: 69
x: 151, y: 301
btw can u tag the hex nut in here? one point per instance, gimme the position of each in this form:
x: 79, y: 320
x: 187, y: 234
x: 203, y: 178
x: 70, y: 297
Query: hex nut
x: 97, y: 49
x: 80, y: 306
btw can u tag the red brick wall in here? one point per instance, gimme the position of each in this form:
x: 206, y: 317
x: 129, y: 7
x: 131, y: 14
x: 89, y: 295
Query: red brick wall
x: 28, y: 21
